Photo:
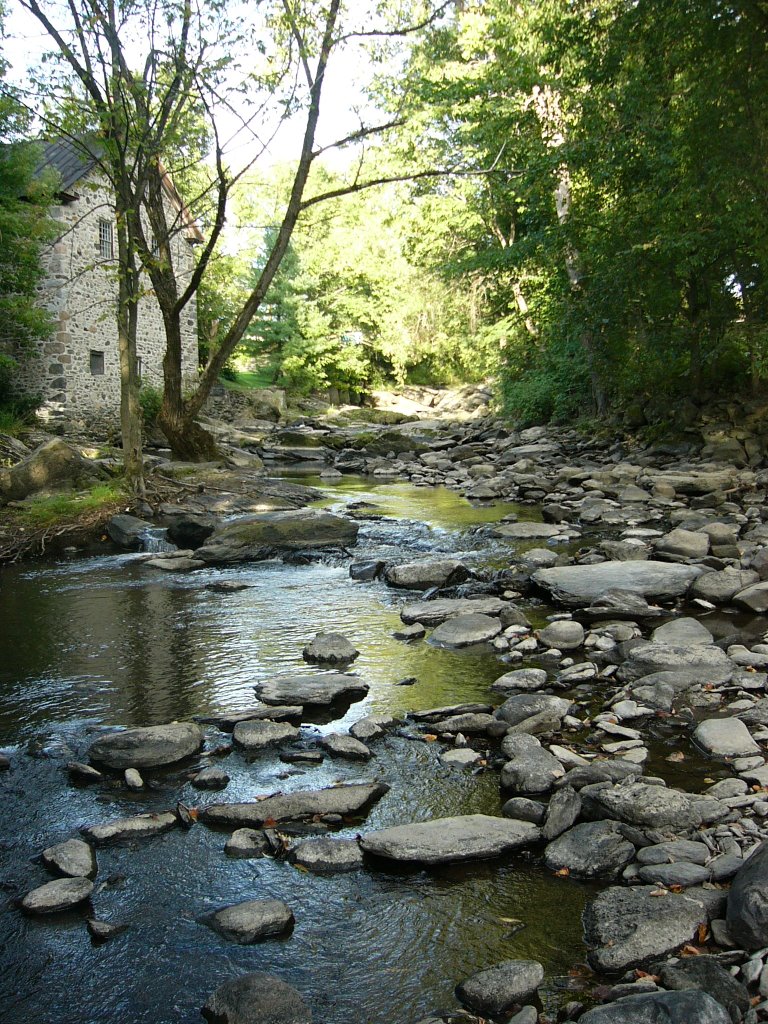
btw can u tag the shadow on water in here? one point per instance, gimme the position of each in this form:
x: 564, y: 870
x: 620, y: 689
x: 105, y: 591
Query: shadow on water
x: 106, y: 641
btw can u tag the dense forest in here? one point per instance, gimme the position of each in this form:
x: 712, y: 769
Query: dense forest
x: 567, y: 196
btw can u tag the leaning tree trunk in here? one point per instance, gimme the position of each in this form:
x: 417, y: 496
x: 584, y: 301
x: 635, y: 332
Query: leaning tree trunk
x: 127, y: 322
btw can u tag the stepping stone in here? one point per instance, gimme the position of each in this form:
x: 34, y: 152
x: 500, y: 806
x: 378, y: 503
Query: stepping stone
x: 445, y: 840
x: 56, y: 896
x: 73, y: 858
x: 252, y: 921
x: 342, y: 800
x: 147, y: 748
x: 142, y: 826
x: 328, y: 855
x: 254, y: 736
x: 256, y: 999
x: 339, y: 745
x: 317, y: 689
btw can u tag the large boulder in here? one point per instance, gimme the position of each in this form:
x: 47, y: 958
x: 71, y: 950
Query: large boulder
x: 747, y: 912
x: 497, y: 989
x: 445, y: 840
x: 256, y: 999
x: 593, y: 849
x: 628, y: 926
x: 660, y: 1008
x: 128, y: 531
x: 316, y: 689
x: 56, y: 465
x: 710, y: 662
x: 263, y: 535
x: 637, y: 803
x: 581, y: 584
x: 252, y: 921
x: 432, y: 613
x: 338, y: 800
x: 152, y: 747
x: 425, y: 574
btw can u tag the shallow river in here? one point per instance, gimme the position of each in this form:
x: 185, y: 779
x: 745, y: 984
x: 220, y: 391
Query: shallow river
x: 100, y: 641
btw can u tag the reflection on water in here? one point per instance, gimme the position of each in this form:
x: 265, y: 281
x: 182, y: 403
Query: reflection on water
x: 108, y: 641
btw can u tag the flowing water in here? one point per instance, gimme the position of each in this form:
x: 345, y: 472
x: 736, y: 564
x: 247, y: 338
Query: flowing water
x: 94, y: 642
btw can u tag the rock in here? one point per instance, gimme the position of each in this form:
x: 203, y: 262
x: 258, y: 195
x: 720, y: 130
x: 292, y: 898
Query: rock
x: 639, y: 804
x: 684, y: 543
x: 56, y: 896
x: 754, y: 598
x: 593, y: 849
x: 725, y: 737
x: 425, y: 574
x: 747, y: 913
x: 469, y: 724
x: 600, y: 771
x: 330, y: 648
x: 260, y: 536
x: 371, y: 727
x: 565, y: 635
x: 258, y: 735
x: 366, y: 571
x: 465, y: 630
x: 531, y: 769
x: 83, y: 772
x: 682, y: 633
x: 190, y: 530
x: 174, y: 563
x: 211, y: 778
x: 251, y: 921
x: 721, y: 587
x: 445, y: 840
x: 437, y: 715
x: 128, y: 531
x: 339, y: 745
x: 133, y: 779
x: 525, y: 531
x: 432, y: 613
x: 413, y: 632
x: 73, y: 858
x: 709, y: 662
x: 677, y: 850
x: 328, y: 855
x: 628, y: 926
x: 523, y: 809
x: 256, y: 999
x: 103, y: 931
x: 274, y: 712
x: 521, y: 680
x: 660, y: 1008
x: 674, y: 874
x: 533, y: 713
x: 707, y: 975
x: 139, y: 827
x: 497, y: 989
x: 343, y: 800
x: 54, y: 465
x: 563, y: 810
x: 580, y: 584
x: 321, y: 688
x: 461, y: 757
x: 152, y: 747
x: 247, y: 842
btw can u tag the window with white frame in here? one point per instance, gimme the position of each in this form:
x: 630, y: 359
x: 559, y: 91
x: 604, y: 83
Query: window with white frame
x: 106, y: 239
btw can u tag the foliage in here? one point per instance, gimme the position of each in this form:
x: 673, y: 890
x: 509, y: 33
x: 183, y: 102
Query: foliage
x: 39, y: 512
x: 151, y: 399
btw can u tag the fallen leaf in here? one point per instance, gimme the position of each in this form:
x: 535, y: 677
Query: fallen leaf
x: 269, y: 823
x: 702, y: 933
x: 675, y: 888
x: 708, y: 781
x: 193, y: 813
x: 658, y: 892
x: 563, y: 872
x: 430, y: 737
x: 690, y: 950
x: 678, y: 755
x: 510, y: 920
x: 646, y: 975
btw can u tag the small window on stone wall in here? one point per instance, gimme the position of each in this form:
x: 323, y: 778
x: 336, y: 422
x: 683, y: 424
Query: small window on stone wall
x: 105, y: 239
x: 138, y: 367
x: 97, y: 363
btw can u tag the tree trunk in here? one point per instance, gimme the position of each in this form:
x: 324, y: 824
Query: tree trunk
x: 127, y: 321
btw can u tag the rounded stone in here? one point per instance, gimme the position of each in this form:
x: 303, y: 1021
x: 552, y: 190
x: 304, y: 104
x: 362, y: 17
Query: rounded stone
x: 256, y: 999
x: 499, y: 988
x: 61, y: 894
x: 73, y: 859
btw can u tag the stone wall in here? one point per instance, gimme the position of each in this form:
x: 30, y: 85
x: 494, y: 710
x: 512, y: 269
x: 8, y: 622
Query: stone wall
x: 76, y: 371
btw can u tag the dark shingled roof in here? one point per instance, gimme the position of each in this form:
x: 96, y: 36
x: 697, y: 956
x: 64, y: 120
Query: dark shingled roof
x: 71, y: 159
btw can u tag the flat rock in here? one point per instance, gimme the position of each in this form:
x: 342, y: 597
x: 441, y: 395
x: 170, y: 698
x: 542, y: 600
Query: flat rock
x: 260, y: 536
x: 58, y: 895
x: 257, y: 735
x: 725, y: 737
x: 247, y: 843
x: 445, y: 840
x: 432, y: 613
x: 327, y: 855
x: 708, y: 975
x: 340, y: 745
x: 711, y: 663
x: 465, y: 630
x: 274, y: 712
x: 682, y: 632
x: 639, y: 804
x: 252, y: 921
x: 581, y: 584
x: 338, y: 800
x: 521, y: 680
x: 628, y: 926
x: 256, y: 999
x: 152, y: 747
x: 461, y: 757
x: 682, y: 873
x: 525, y: 531
x: 468, y: 724
x: 660, y: 1008
x: 142, y: 826
x: 321, y: 688
x: 497, y: 989
x: 525, y: 809
x: 73, y: 858
x: 428, y: 573
x: 371, y: 727
x: 676, y: 850
x: 592, y: 849
x: 330, y: 649
x: 534, y: 713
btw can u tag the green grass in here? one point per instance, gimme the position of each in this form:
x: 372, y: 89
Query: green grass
x: 43, y: 511
x: 11, y: 423
x: 263, y: 378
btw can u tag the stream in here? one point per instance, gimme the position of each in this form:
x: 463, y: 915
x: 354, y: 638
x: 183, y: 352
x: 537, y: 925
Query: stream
x: 105, y: 641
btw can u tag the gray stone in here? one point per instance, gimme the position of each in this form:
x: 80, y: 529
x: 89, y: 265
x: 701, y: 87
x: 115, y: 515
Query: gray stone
x: 83, y: 772
x: 142, y: 826
x: 684, y: 543
x: 445, y: 840
x: 711, y: 663
x: 600, y: 771
x: 682, y: 633
x: 425, y: 574
x: 371, y: 727
x: 247, y: 843
x: 535, y: 713
x: 563, y: 810
x: 671, y: 852
x: 531, y: 769
x: 274, y: 713
x: 256, y: 999
x: 54, y: 465
x: 524, y: 809
x: 465, y: 630
x: 461, y: 757
x: 639, y: 804
x: 754, y: 598
x: 416, y: 631
x: 747, y: 913
x: 103, y: 931
x: 251, y: 921
x: 258, y: 735
x: 211, y: 778
x: 331, y: 649
x: 321, y: 688
x: 628, y: 926
x: 432, y: 613
x: 581, y: 584
x: 337, y: 800
x: 525, y: 531
x: 680, y: 873
x: 326, y: 855
x: 707, y: 975
x: 128, y: 531
x: 521, y: 680
x: 565, y: 635
x: 133, y: 779
x: 497, y: 989
x: 592, y: 849
x: 73, y: 858
x: 721, y: 587
x: 339, y: 745
x: 725, y: 737
x: 62, y: 894
x: 690, y: 1007
x: 153, y: 747
x: 469, y: 724
x: 258, y: 537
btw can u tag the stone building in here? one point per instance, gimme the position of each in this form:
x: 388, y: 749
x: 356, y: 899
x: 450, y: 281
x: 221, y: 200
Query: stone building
x: 76, y: 369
